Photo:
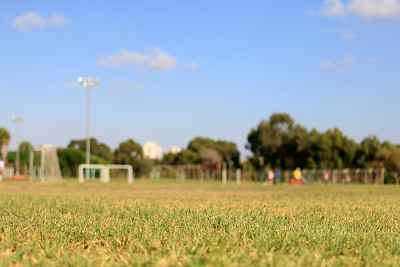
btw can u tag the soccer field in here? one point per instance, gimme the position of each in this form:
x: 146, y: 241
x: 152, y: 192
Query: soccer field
x: 192, y: 223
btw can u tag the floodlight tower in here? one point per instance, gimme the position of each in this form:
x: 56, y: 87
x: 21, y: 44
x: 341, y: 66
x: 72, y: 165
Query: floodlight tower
x: 17, y: 120
x: 88, y: 83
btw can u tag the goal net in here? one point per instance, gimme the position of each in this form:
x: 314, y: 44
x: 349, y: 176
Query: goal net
x: 44, y: 164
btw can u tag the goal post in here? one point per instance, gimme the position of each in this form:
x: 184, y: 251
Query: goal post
x: 44, y: 163
x: 91, y: 166
x: 120, y: 167
x: 105, y: 171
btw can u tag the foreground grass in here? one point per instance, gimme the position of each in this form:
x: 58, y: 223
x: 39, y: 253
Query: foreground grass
x: 198, y: 224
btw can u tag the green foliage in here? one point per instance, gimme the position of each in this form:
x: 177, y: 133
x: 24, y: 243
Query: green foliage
x: 145, y: 166
x: 25, y: 145
x: 129, y: 152
x: 331, y: 147
x: 97, y: 160
x: 23, y: 157
x: 204, y: 150
x: 100, y: 150
x: 366, y: 153
x: 227, y: 150
x: 200, y: 143
x: 386, y: 145
x: 280, y: 138
x: 388, y: 158
x: 11, y: 157
x: 184, y: 157
x: 248, y: 166
x: 169, y: 158
x: 70, y: 159
x: 4, y: 135
x: 4, y: 140
x: 389, y: 177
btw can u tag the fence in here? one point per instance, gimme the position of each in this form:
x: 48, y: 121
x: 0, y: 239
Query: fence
x: 222, y: 173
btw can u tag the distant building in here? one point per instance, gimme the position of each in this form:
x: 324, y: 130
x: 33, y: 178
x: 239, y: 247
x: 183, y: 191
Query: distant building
x: 152, y: 151
x: 174, y: 150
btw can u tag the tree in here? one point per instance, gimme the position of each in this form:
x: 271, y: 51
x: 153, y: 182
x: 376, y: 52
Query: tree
x: 185, y: 156
x: 280, y: 138
x: 97, y: 149
x: 145, y: 166
x: 70, y: 159
x: 129, y: 152
x: 25, y: 146
x: 199, y: 143
x: 390, y: 159
x: 386, y: 145
x: 227, y: 150
x: 273, y: 140
x: 210, y: 155
x: 369, y: 147
x: 169, y: 158
x: 4, y: 140
x: 24, y: 153
x: 331, y: 149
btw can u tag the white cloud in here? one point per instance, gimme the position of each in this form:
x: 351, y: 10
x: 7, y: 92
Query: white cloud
x: 333, y: 8
x: 375, y: 8
x: 339, y: 66
x: 192, y: 65
x: 158, y: 61
x: 30, y: 20
x: 363, y: 8
x: 125, y: 86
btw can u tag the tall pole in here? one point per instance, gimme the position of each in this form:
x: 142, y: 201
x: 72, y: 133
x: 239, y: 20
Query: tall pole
x: 17, y: 164
x: 88, y: 134
x: 17, y: 120
x: 89, y: 83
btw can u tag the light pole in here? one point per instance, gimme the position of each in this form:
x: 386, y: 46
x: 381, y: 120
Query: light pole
x: 17, y: 120
x: 89, y: 83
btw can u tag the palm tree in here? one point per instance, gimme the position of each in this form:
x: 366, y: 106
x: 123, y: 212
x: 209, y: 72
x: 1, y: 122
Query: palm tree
x: 4, y: 140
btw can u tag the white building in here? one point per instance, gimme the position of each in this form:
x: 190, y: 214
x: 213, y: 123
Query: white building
x: 152, y: 151
x: 174, y: 150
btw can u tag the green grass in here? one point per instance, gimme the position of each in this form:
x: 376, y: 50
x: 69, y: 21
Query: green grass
x: 193, y: 224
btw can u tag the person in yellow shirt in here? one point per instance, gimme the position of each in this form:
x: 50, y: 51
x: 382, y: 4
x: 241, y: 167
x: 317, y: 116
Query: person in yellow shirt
x: 297, y: 175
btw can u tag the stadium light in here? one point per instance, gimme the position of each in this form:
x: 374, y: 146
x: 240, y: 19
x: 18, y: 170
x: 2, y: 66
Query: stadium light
x: 88, y: 83
x: 17, y: 120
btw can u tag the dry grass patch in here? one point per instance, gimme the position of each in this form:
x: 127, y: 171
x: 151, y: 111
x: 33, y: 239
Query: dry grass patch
x: 198, y: 224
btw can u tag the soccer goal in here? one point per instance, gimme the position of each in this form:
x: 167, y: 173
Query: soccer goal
x: 44, y: 164
x: 105, y: 171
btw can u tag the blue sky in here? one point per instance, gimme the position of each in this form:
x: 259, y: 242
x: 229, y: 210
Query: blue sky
x: 173, y: 70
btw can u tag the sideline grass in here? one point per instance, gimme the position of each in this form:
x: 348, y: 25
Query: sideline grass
x: 194, y: 224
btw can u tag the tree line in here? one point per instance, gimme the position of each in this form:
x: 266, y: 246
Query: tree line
x: 281, y: 143
x: 277, y: 143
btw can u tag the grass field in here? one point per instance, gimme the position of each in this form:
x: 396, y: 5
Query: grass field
x: 191, y: 224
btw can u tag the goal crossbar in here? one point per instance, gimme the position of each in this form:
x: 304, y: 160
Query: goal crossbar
x: 105, y: 171
x: 121, y: 167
